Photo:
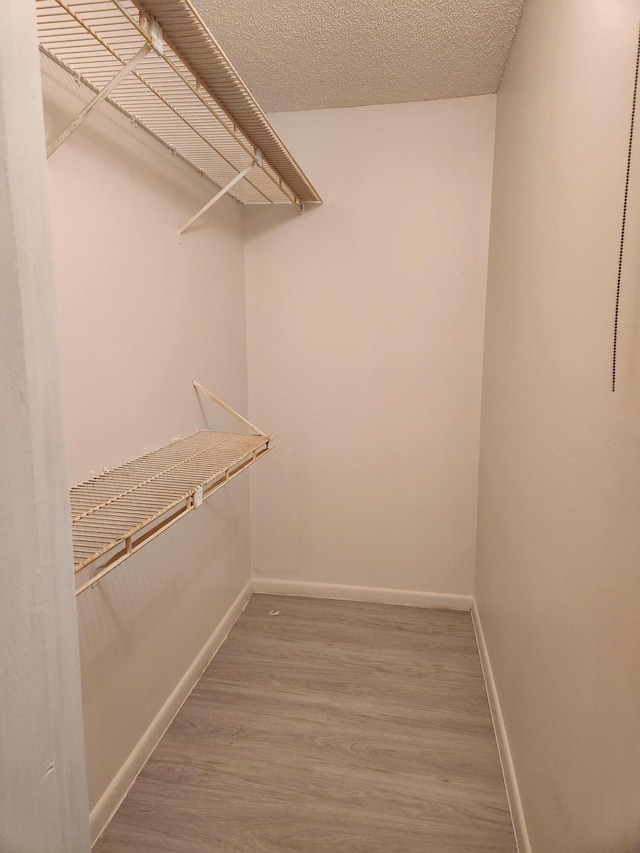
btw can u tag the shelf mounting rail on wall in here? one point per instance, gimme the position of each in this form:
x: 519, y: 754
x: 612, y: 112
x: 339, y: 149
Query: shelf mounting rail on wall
x: 157, y: 62
x: 121, y: 510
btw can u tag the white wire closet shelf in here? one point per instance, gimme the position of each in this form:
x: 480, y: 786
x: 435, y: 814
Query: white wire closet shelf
x: 121, y: 510
x: 157, y: 62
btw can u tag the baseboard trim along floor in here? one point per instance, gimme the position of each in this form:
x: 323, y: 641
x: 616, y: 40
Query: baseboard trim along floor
x: 110, y: 801
x: 379, y: 595
x: 112, y: 798
x: 506, y: 759
x: 327, y: 724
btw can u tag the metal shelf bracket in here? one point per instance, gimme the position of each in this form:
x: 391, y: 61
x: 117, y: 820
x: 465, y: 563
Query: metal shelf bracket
x: 100, y: 97
x: 257, y: 161
x: 228, y: 408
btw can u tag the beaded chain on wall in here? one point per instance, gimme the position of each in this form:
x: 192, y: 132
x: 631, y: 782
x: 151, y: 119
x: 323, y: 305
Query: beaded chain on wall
x: 624, y: 222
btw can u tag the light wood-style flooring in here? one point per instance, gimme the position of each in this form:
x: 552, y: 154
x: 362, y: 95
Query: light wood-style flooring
x: 328, y: 727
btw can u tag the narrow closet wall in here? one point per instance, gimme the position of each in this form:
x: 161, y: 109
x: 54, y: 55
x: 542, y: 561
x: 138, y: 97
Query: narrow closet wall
x: 365, y: 328
x: 139, y: 316
x: 43, y: 794
x: 558, y: 581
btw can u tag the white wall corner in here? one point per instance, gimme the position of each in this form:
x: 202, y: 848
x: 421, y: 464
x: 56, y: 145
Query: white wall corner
x: 344, y: 592
x: 506, y: 759
x: 110, y: 801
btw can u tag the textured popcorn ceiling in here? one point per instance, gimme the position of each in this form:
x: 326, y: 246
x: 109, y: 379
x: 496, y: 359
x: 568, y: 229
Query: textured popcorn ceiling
x: 310, y: 54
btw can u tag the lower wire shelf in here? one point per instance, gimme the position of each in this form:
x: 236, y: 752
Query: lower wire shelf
x: 119, y: 511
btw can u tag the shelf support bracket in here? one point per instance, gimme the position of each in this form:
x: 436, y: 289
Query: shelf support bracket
x: 98, y: 99
x: 256, y: 162
x: 228, y: 408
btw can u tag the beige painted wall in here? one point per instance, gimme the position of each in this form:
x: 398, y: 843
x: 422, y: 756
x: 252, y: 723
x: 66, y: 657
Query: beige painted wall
x: 43, y: 784
x: 559, y: 535
x: 138, y: 317
x: 365, y: 324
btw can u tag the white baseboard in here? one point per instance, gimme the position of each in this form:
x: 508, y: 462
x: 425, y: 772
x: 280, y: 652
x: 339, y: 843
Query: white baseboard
x: 508, y: 769
x: 412, y: 598
x: 112, y: 798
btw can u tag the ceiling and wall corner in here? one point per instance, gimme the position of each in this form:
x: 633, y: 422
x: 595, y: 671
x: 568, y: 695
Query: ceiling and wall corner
x: 301, y: 55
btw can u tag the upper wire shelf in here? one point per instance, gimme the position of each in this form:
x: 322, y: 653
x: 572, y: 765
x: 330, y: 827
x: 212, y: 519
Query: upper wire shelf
x: 156, y: 61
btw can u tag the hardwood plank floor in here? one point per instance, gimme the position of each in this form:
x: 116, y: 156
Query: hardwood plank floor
x: 332, y: 727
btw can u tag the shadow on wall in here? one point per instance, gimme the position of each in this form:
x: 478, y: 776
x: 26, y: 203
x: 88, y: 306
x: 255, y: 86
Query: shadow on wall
x: 138, y: 594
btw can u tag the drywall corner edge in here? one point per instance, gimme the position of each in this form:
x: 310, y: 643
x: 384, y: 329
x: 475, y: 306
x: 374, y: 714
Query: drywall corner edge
x: 110, y: 801
x: 380, y: 595
x: 504, y: 750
